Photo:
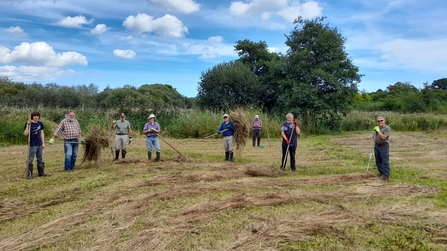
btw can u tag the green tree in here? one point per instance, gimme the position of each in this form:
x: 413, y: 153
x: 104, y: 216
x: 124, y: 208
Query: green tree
x: 321, y: 79
x: 440, y: 84
x: 228, y: 85
x: 266, y: 65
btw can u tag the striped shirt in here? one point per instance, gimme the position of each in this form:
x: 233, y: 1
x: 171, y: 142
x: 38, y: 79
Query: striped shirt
x: 69, y: 128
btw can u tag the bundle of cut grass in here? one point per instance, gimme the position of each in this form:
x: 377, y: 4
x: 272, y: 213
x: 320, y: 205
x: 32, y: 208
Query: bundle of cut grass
x: 96, y: 141
x: 241, y: 128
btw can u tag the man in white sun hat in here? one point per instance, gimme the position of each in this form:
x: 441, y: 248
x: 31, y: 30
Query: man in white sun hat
x: 151, y: 130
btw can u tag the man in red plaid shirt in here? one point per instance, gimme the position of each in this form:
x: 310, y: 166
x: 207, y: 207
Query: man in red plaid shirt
x: 71, y: 132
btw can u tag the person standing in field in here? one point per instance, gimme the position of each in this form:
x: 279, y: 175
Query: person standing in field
x: 71, y: 132
x: 381, y: 137
x: 289, y: 132
x: 256, y: 125
x: 151, y: 130
x: 34, y: 129
x: 123, y: 135
x: 227, y: 130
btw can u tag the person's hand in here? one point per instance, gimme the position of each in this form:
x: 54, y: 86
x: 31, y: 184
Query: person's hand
x: 51, y: 141
x: 296, y: 123
x: 114, y: 122
x: 377, y: 129
x: 82, y: 142
x: 152, y: 129
x: 287, y: 141
x: 218, y: 131
x: 130, y: 139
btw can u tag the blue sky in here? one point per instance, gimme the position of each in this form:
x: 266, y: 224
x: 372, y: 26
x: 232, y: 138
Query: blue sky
x: 135, y: 42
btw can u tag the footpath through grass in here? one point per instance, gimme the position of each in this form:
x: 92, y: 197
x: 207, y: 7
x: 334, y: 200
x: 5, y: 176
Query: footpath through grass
x: 330, y: 203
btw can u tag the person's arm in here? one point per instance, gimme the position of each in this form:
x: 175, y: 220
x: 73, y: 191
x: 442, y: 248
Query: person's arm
x: 27, y: 127
x: 130, y: 132
x: 42, y: 136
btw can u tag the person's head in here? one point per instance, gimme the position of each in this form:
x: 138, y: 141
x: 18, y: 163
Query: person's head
x: 289, y: 117
x: 35, y: 116
x: 381, y: 121
x: 256, y: 117
x: 151, y: 118
x: 71, y: 114
x: 122, y: 116
x: 225, y: 117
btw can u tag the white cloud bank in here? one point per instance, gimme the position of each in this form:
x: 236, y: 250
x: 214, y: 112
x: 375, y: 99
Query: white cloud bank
x: 128, y: 54
x: 184, y: 6
x: 168, y: 25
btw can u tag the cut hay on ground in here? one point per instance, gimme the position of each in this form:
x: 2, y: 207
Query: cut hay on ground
x: 96, y: 141
x: 241, y: 128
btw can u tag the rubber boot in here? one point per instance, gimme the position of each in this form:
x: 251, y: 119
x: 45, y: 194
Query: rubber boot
x: 117, y: 155
x: 227, y: 155
x: 123, y: 154
x: 29, y: 173
x: 158, y: 157
x: 231, y: 156
x: 254, y: 140
x: 41, y: 169
x: 259, y: 142
x: 149, y: 155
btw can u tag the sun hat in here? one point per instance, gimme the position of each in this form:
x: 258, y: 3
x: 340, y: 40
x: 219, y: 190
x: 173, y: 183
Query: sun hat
x: 256, y: 116
x: 225, y: 115
x: 151, y: 116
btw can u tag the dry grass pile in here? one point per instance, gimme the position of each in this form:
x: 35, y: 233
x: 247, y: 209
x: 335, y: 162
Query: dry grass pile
x: 241, y: 128
x: 96, y: 141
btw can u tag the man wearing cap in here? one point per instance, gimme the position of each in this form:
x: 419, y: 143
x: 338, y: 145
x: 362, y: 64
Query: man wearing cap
x: 151, y: 130
x: 256, y: 124
x: 382, y: 148
x: 227, y: 130
x: 123, y: 134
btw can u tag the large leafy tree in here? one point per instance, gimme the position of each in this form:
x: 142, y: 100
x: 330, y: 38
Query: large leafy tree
x: 321, y: 79
x: 266, y: 65
x: 228, y: 85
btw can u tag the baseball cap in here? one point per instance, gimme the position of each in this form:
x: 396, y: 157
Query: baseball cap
x: 225, y: 115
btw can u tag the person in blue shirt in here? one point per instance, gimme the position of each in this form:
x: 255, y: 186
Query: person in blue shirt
x: 227, y: 130
x: 34, y: 129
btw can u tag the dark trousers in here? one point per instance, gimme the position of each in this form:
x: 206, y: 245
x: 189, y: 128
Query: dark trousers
x: 382, y: 155
x: 292, y: 151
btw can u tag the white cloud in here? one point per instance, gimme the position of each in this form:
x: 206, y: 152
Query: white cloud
x: 306, y: 10
x: 74, y: 22
x: 215, y: 39
x: 286, y: 9
x: 30, y: 73
x: 99, y: 29
x: 168, y: 25
x: 128, y: 54
x: 184, y: 6
x: 211, y: 49
x: 16, y: 31
x: 41, y: 54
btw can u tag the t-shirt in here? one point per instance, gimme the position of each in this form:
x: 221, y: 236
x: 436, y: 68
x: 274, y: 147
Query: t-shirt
x: 384, y: 130
x: 122, y: 127
x: 35, y: 129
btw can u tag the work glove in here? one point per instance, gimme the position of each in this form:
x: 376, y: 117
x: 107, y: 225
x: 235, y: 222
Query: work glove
x: 218, y: 131
x: 130, y: 139
x: 51, y: 141
x: 82, y: 142
x: 296, y: 123
x: 287, y: 141
x: 377, y: 129
x: 152, y: 129
x: 114, y: 122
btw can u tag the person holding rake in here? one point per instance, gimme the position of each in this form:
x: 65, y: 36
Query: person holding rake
x: 289, y: 132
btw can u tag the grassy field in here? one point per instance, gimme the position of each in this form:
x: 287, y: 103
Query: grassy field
x: 205, y: 203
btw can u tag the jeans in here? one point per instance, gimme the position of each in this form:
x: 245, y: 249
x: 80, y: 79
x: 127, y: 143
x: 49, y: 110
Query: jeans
x: 382, y: 154
x: 152, y: 141
x: 71, y: 151
x: 37, y: 151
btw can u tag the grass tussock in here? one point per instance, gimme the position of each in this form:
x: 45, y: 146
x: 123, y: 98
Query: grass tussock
x: 94, y: 143
x: 241, y: 128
